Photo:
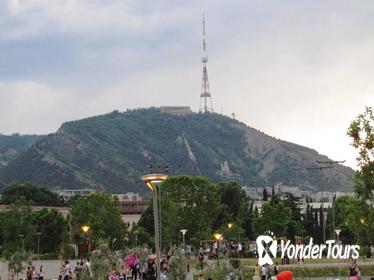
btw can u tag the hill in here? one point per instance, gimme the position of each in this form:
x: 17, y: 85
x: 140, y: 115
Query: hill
x: 13, y: 145
x: 110, y: 152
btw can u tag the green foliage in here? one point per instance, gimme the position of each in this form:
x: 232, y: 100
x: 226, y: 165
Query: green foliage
x: 276, y: 218
x: 52, y: 227
x: 234, y: 203
x: 112, y: 150
x: 16, y: 263
x: 177, y: 269
x: 218, y: 273
x: 30, y: 193
x: 364, y: 181
x: 13, y: 145
x: 356, y: 220
x: 19, y: 227
x: 265, y: 195
x: 190, y: 203
x: 361, y: 131
x: 103, y: 260
x: 101, y: 213
x: 139, y: 236
x: 17, y: 231
x: 67, y: 251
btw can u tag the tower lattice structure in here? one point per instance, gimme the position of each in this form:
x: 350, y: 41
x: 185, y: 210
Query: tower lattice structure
x: 206, y: 104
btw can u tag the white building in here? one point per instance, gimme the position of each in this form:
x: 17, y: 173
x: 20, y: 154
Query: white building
x: 68, y: 194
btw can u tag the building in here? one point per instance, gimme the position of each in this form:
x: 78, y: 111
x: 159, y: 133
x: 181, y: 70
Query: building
x: 67, y: 194
x: 176, y: 110
x: 132, y: 206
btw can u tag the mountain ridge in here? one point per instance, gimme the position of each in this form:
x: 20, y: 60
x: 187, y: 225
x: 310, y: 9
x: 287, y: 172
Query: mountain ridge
x: 13, y: 145
x: 110, y: 152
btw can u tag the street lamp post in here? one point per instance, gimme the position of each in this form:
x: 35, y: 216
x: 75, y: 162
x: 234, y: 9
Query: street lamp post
x: 38, y: 234
x: 322, y: 217
x: 183, y: 231
x: 153, y: 181
x: 136, y: 239
x: 85, y: 229
x: 218, y: 237
x: 23, y: 241
x: 337, y: 231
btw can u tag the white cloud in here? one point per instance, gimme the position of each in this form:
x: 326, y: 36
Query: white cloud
x: 31, y: 107
x: 299, y: 71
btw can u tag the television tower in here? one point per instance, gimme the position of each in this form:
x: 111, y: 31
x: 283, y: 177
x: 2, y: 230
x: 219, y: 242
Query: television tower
x: 205, y: 104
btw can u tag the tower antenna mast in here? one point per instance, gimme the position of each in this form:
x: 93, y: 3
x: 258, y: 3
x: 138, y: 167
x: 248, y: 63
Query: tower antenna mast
x: 206, y: 104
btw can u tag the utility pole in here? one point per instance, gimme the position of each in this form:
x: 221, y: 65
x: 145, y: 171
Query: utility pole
x: 332, y: 164
x: 322, y: 218
x: 38, y: 235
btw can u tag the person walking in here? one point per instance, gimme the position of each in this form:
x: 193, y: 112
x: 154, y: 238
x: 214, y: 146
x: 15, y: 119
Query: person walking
x: 200, y: 258
x: 276, y: 269
x: 29, y: 273
x: 66, y: 272
x: 265, y: 272
x: 41, y: 273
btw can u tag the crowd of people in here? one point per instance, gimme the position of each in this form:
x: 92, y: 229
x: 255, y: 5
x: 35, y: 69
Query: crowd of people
x: 33, y: 274
x: 133, y: 266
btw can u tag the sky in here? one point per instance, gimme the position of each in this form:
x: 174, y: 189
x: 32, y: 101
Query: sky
x: 298, y: 70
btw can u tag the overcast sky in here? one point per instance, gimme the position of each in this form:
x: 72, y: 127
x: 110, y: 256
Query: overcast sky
x: 297, y: 70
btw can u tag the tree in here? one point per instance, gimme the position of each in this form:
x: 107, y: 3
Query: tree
x: 355, y: 219
x: 101, y: 213
x: 190, y: 203
x: 293, y: 203
x: 276, y: 218
x: 234, y: 205
x: 265, y: 195
x: 31, y: 193
x: 247, y: 223
x: 17, y: 230
x: 178, y: 265
x: 274, y: 198
x: 361, y: 131
x: 103, y: 260
x: 139, y: 236
x: 308, y: 223
x: 16, y: 264
x: 52, y: 227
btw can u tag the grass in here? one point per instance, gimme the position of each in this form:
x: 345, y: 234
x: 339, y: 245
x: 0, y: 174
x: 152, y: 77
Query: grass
x: 310, y: 271
x: 253, y: 261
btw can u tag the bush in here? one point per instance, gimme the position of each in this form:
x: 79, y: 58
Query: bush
x: 67, y: 252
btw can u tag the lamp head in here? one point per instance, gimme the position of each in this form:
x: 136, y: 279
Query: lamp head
x: 230, y: 225
x: 152, y: 180
x: 183, y: 231
x: 218, y: 236
x: 85, y: 228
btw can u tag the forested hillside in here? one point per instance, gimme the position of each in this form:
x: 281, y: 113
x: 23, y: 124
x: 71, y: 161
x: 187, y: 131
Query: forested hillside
x: 110, y: 152
x: 13, y: 145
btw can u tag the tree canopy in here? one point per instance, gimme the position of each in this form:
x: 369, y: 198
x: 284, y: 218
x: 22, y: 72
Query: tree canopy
x: 100, y: 212
x: 30, y: 193
x: 19, y: 227
x: 361, y: 131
